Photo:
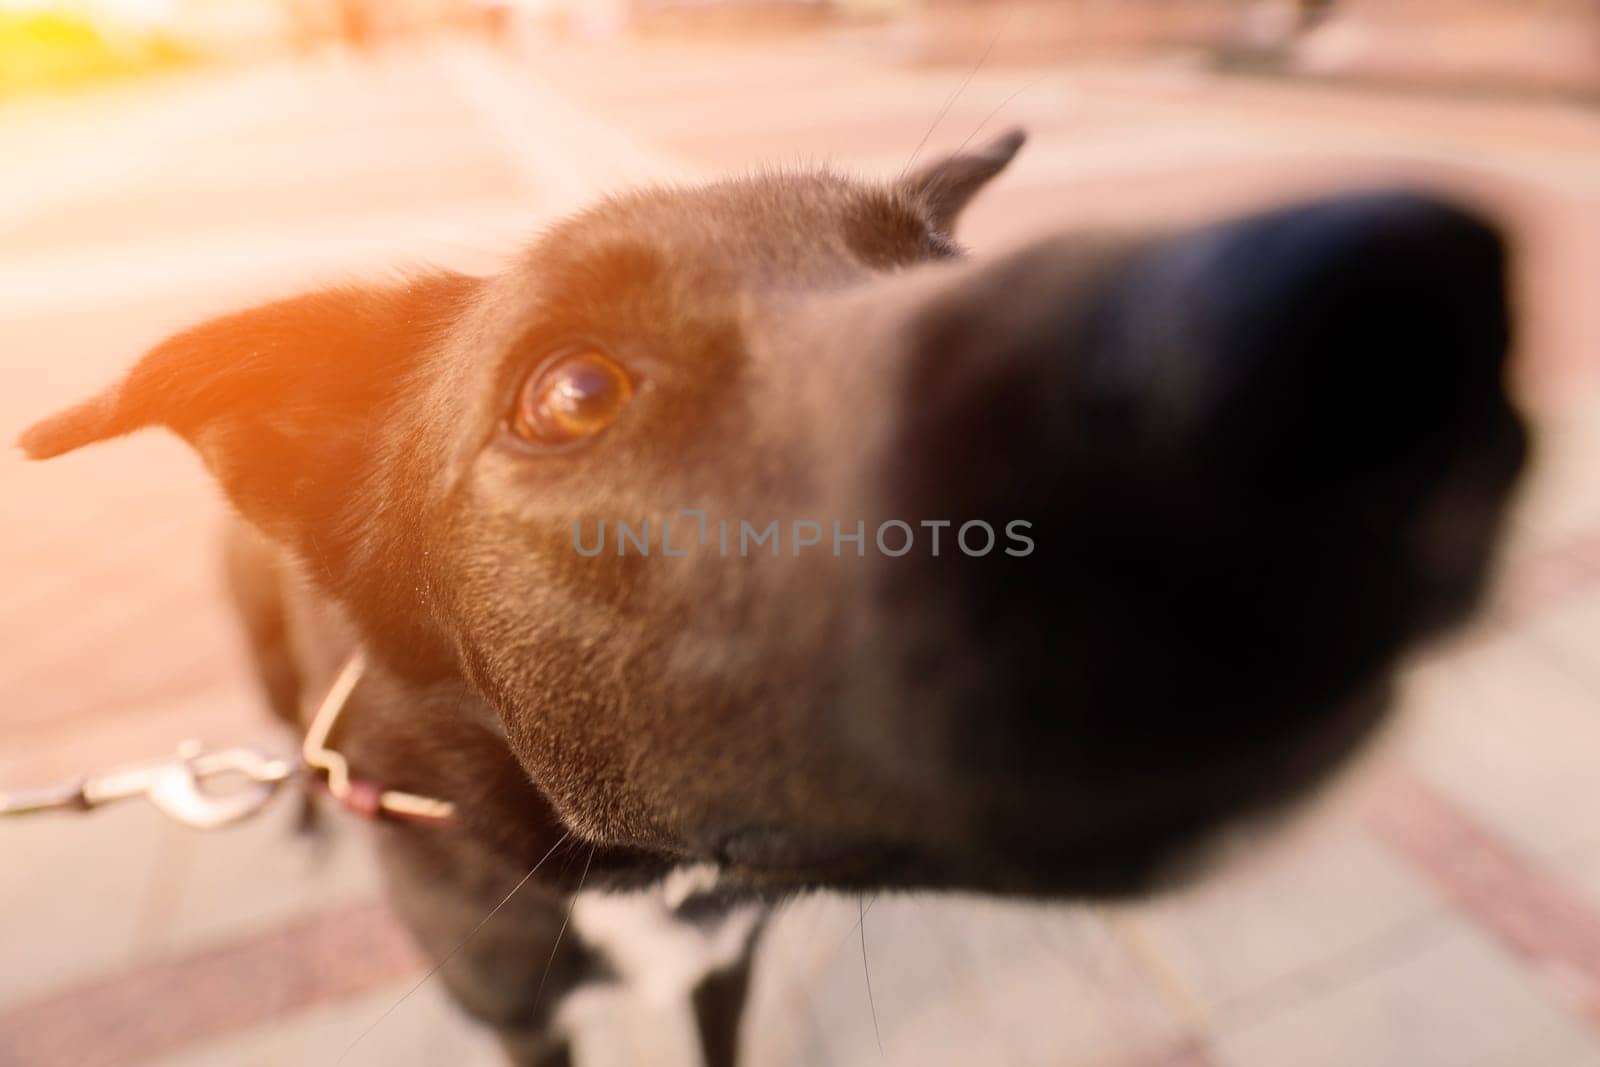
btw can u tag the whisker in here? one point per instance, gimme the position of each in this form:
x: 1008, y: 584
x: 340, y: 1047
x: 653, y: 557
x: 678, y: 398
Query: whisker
x: 955, y: 94
x: 538, y: 994
x: 861, y: 926
x: 997, y: 109
x: 848, y: 934
x: 420, y: 982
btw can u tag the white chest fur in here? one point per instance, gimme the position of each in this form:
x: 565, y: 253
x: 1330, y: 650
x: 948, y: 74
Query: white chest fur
x: 659, y: 958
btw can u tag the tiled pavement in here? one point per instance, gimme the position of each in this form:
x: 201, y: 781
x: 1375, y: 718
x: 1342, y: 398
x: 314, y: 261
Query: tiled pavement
x: 1441, y: 906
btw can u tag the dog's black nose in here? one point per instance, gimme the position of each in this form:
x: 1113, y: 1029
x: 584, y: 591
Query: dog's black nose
x: 1313, y: 345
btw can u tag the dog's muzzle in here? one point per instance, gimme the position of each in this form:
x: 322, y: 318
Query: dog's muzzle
x: 1257, y: 461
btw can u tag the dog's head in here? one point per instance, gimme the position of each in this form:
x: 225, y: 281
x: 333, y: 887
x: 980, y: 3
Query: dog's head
x: 775, y: 533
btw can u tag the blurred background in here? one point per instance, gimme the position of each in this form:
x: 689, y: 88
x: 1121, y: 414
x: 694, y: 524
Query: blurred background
x: 165, y: 160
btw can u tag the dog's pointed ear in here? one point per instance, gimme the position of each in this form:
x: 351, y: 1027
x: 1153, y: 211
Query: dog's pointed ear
x: 945, y: 186
x: 278, y: 400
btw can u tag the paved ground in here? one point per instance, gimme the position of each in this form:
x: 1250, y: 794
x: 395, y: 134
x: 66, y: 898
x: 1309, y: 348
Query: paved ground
x: 1440, y: 907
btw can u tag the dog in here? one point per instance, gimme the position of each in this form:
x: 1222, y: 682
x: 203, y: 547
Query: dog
x: 752, y: 538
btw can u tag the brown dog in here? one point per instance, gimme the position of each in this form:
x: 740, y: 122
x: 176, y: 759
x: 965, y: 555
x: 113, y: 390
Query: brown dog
x: 746, y: 529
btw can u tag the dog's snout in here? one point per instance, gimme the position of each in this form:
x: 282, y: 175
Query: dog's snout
x: 1237, y: 448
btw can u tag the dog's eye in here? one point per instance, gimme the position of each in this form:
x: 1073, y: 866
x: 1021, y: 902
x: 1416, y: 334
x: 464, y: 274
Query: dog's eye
x: 576, y: 396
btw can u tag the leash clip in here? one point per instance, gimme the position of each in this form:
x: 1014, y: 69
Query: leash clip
x: 182, y: 789
x: 187, y: 787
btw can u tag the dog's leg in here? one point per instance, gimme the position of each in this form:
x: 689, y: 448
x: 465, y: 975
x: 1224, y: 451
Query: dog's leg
x: 503, y: 952
x: 718, y: 1003
x: 730, y: 929
x: 254, y: 574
